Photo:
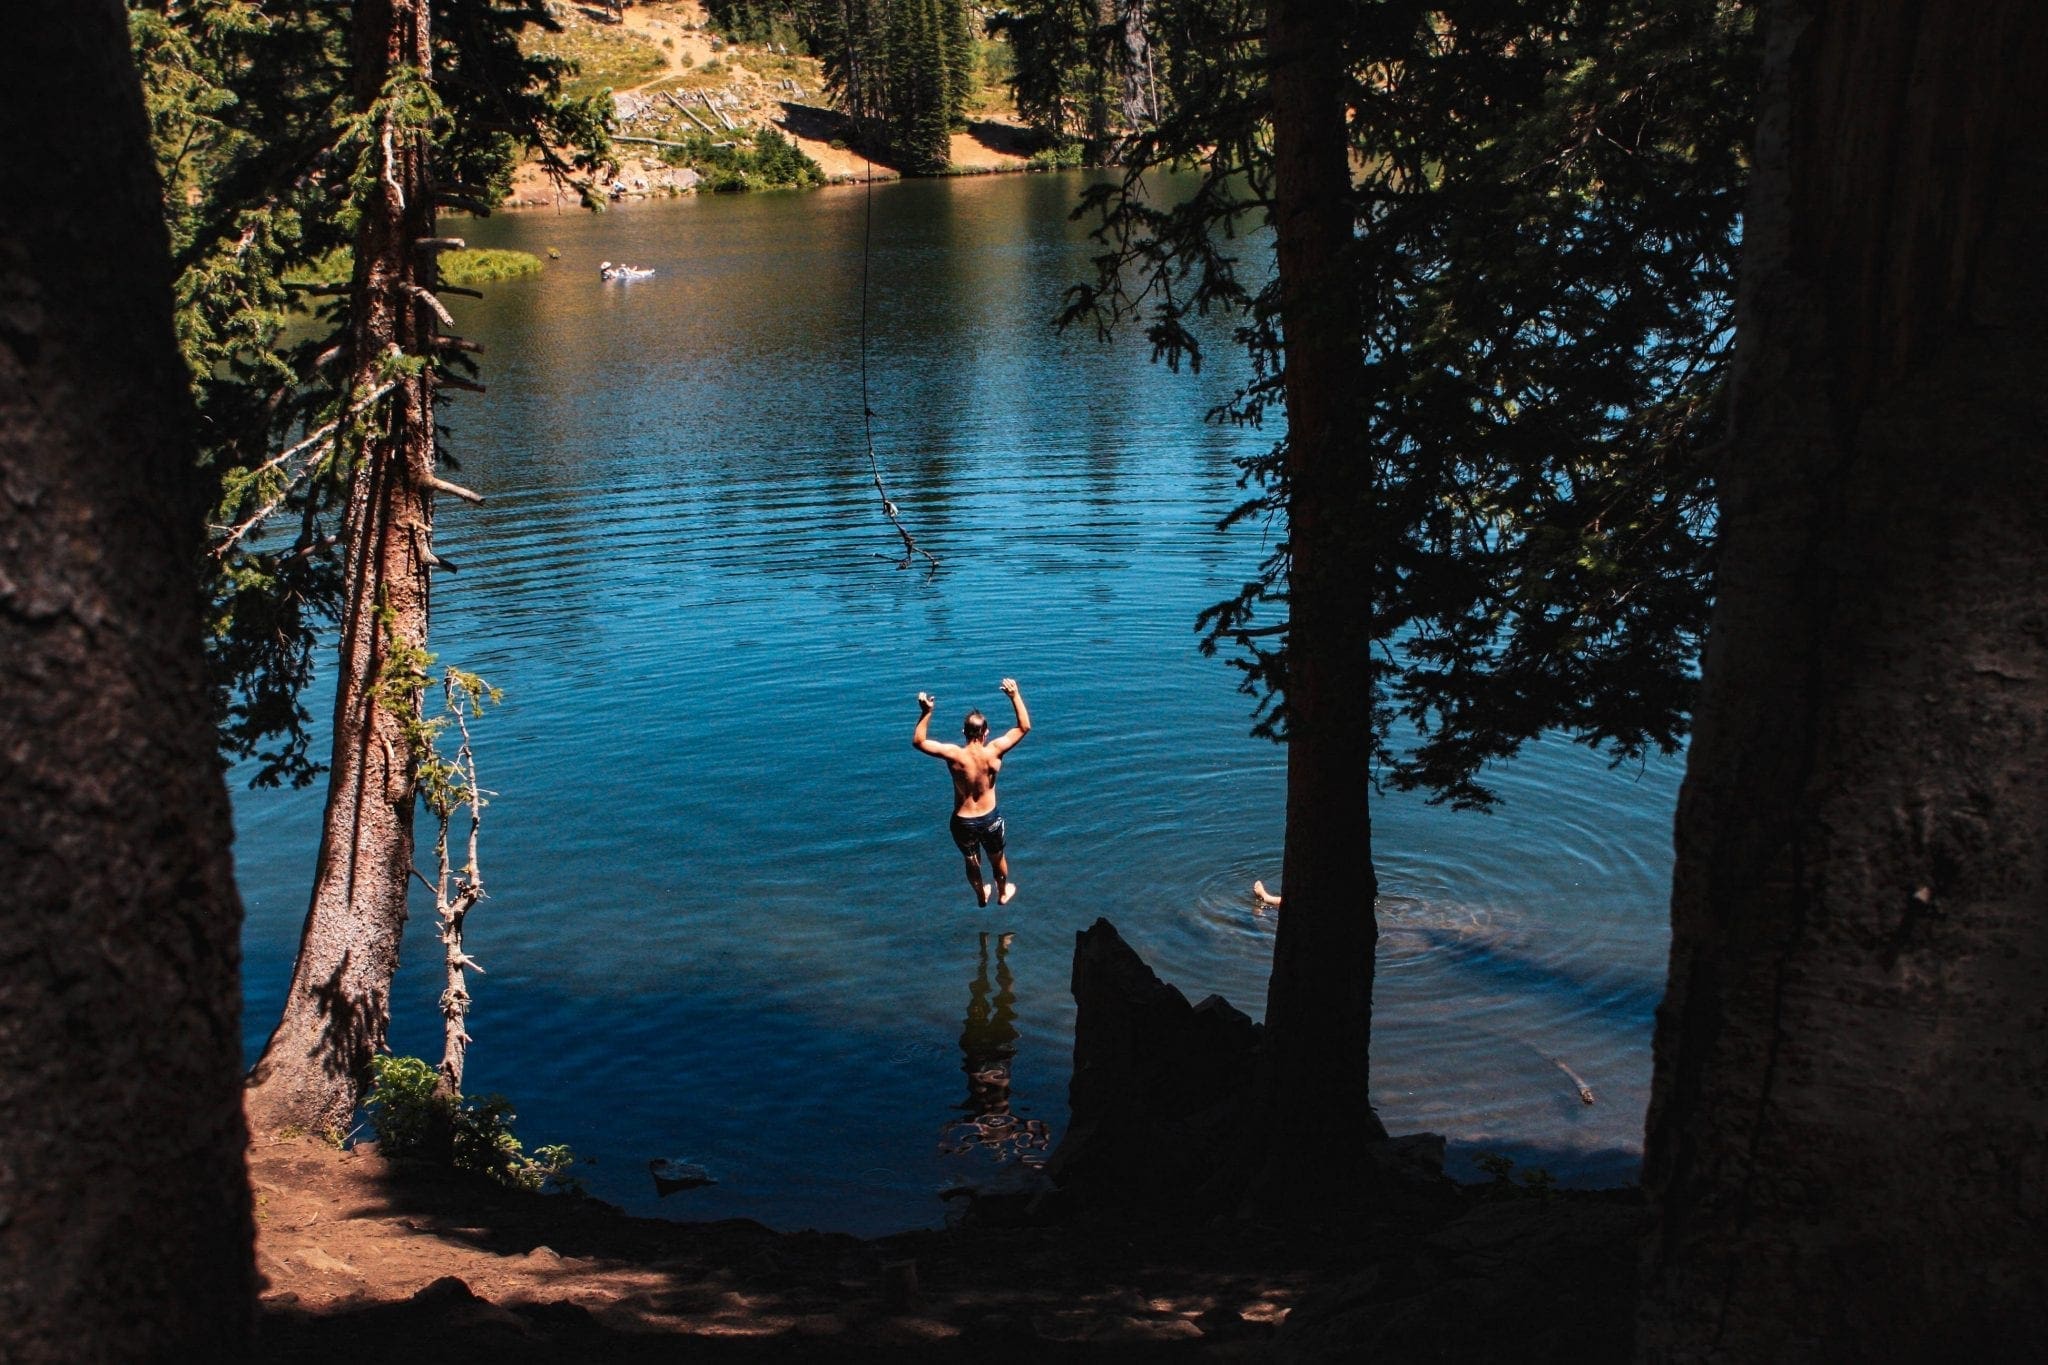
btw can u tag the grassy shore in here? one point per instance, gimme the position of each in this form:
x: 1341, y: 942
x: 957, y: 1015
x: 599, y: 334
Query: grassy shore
x: 487, y: 266
x: 466, y: 268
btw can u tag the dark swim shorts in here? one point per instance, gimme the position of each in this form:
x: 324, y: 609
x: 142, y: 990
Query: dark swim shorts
x: 978, y: 831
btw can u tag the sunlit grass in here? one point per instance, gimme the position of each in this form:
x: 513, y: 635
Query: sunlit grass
x: 486, y: 265
x: 466, y: 268
x: 606, y: 59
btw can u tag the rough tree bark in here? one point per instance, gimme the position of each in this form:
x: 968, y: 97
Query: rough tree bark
x: 335, y: 1017
x: 124, y: 1204
x: 1105, y: 65
x: 1845, y: 1135
x: 1138, y: 94
x: 1319, y: 1003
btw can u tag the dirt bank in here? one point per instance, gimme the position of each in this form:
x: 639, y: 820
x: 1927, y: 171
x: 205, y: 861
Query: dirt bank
x: 361, y: 1256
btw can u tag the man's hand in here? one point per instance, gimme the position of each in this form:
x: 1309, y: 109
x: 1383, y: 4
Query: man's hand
x: 925, y: 703
x: 1008, y: 740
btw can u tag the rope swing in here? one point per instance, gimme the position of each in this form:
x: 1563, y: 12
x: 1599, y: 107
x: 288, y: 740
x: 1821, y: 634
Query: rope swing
x: 911, y: 549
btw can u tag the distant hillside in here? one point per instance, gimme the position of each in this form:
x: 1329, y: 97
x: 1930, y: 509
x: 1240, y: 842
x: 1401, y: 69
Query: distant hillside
x: 676, y: 81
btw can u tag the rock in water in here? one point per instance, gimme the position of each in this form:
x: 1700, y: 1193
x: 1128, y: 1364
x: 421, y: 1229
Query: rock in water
x: 672, y: 1175
x: 1162, y: 1090
x: 1165, y: 1099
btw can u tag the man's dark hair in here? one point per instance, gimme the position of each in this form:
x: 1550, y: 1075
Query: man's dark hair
x: 975, y: 726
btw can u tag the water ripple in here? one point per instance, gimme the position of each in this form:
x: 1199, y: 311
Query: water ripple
x: 726, y: 917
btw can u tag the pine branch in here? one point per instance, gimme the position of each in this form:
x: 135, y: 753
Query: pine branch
x: 241, y: 529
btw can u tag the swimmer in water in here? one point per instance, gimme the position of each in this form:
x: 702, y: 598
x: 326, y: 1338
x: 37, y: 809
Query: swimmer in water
x: 976, y: 824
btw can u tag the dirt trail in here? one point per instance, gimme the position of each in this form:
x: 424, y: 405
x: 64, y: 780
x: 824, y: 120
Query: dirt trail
x: 363, y: 1259
x: 354, y: 1250
x: 682, y: 25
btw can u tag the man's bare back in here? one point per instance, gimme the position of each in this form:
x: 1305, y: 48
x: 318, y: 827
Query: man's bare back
x: 974, y: 764
x: 974, y: 767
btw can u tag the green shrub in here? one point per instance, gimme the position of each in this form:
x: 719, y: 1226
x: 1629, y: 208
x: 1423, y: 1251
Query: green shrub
x: 1062, y: 157
x: 409, y: 1119
x: 767, y: 160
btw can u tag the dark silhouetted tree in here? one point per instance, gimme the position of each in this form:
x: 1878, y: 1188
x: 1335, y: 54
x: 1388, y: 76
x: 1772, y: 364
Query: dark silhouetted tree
x: 1503, y: 239
x: 124, y: 1204
x: 1845, y: 1135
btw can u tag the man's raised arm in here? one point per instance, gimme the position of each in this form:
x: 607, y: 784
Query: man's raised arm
x: 1023, y: 725
x: 918, y: 740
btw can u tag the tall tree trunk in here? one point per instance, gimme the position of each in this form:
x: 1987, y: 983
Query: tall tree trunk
x: 1105, y: 48
x: 1845, y: 1135
x: 124, y: 1203
x: 1139, y: 93
x: 339, y: 1007
x: 1319, y: 1004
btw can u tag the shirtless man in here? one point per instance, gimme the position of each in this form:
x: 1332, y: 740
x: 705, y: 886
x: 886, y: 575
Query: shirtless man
x: 974, y: 765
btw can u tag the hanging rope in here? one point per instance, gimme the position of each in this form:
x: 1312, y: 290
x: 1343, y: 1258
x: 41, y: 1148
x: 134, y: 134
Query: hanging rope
x: 911, y: 549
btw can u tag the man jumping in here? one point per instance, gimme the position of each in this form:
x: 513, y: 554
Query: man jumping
x: 974, y: 765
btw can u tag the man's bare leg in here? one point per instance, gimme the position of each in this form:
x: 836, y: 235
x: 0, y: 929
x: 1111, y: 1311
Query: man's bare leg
x: 982, y: 890
x: 1001, y: 862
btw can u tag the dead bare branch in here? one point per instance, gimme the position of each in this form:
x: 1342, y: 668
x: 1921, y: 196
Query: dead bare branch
x: 426, y: 296
x: 456, y: 893
x: 453, y: 490
x: 242, y: 528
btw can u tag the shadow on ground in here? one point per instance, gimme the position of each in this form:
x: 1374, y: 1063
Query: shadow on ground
x: 1008, y: 139
x: 829, y: 125
x: 361, y: 1254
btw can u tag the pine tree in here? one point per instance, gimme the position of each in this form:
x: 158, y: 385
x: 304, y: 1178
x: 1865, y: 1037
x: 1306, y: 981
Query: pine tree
x: 851, y: 40
x: 921, y: 139
x: 1049, y: 43
x: 1539, y: 228
x: 1084, y: 67
x: 963, y: 62
x: 285, y: 133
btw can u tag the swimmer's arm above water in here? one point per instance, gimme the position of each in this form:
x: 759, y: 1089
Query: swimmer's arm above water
x: 1022, y: 728
x: 918, y: 739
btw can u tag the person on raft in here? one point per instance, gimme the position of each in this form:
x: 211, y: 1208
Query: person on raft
x: 976, y: 824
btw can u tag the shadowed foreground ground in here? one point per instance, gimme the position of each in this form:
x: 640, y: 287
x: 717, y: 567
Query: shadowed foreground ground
x: 361, y: 1255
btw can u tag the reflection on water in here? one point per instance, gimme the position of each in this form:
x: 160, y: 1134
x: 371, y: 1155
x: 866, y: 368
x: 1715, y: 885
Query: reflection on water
x: 988, y: 1045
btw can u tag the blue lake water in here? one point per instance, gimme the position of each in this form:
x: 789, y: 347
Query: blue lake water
x: 726, y: 922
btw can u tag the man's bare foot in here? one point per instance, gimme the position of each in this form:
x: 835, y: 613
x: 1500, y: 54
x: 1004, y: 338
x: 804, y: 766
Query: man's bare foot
x: 1009, y: 890
x: 983, y: 892
x: 1266, y: 899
